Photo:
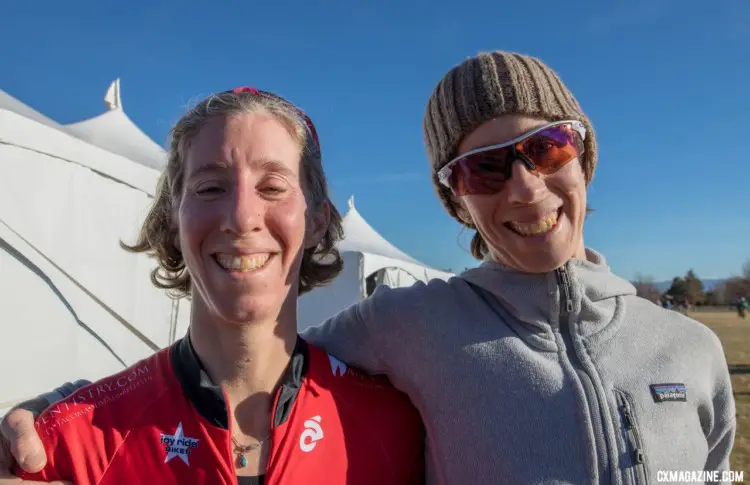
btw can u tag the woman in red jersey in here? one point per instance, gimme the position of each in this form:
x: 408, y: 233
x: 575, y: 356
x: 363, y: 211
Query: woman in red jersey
x: 242, y: 224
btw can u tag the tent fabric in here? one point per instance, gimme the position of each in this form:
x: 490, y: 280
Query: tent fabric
x: 32, y: 136
x: 359, y: 236
x: 393, y: 277
x: 114, y: 131
x: 9, y: 103
x: 73, y: 304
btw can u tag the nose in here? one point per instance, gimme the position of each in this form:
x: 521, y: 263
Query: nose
x: 244, y: 214
x: 523, y: 187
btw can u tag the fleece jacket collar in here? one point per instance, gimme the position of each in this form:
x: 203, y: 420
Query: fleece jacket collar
x: 534, y: 303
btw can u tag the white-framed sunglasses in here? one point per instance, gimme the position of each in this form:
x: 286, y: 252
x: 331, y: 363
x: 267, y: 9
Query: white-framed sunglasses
x: 545, y: 150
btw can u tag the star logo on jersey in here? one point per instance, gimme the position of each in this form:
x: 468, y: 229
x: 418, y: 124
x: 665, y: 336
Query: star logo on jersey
x: 178, y: 445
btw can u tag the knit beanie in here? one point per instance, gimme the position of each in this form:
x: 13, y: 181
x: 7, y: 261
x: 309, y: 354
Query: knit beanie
x: 485, y: 87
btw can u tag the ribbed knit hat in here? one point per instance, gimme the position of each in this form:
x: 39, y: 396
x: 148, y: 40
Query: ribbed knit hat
x: 485, y: 87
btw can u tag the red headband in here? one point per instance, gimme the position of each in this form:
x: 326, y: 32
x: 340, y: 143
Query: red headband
x: 258, y: 92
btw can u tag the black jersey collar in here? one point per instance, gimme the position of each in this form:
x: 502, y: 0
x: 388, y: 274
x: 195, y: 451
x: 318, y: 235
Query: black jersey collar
x: 208, y: 398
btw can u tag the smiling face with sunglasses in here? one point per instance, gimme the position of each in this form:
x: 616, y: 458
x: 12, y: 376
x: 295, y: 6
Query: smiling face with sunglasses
x: 518, y: 180
x: 512, y: 155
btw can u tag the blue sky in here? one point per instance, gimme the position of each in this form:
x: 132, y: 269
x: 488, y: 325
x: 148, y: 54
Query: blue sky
x: 665, y: 82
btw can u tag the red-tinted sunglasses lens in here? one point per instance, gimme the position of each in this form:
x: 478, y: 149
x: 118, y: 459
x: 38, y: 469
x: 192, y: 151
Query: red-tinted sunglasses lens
x: 481, y: 173
x: 552, y: 148
x: 543, y: 152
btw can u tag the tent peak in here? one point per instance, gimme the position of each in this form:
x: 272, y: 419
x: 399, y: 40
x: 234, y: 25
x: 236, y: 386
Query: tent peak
x: 112, y: 98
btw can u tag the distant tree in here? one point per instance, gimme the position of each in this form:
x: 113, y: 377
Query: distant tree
x: 714, y: 297
x: 717, y: 296
x: 693, y: 288
x: 734, y: 288
x: 646, y: 288
x: 678, y: 290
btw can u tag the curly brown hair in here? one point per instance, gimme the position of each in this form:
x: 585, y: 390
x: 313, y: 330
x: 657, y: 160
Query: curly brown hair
x: 320, y: 264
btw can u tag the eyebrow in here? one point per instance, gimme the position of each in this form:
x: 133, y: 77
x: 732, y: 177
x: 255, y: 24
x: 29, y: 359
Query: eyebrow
x: 265, y: 164
x: 211, y: 167
x: 272, y: 165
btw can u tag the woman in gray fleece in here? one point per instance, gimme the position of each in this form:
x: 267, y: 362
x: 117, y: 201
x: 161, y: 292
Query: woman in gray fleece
x: 540, y: 365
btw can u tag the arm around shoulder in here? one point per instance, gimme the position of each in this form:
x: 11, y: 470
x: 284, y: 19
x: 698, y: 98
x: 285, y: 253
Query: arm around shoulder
x: 362, y: 334
x: 346, y: 336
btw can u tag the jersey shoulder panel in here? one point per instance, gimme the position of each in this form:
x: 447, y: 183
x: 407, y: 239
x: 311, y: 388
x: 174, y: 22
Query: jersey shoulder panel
x: 383, y: 430
x: 83, y: 432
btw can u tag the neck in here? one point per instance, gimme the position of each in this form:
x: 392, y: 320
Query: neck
x: 246, y: 359
x: 580, y: 252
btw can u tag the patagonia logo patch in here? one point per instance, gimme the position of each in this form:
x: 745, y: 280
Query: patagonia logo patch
x: 668, y: 392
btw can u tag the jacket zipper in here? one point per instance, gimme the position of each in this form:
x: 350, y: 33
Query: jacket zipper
x: 564, y: 282
x: 632, y: 439
x: 566, y: 311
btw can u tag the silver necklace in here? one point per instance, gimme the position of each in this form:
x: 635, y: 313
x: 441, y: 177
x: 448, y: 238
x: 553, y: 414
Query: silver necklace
x: 243, y: 450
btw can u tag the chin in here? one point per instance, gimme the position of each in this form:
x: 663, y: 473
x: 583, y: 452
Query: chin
x: 536, y: 260
x: 245, y: 310
x: 541, y: 264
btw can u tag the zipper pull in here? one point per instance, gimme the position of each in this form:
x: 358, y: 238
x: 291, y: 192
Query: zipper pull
x: 628, y: 418
x: 565, y: 287
x: 638, y: 456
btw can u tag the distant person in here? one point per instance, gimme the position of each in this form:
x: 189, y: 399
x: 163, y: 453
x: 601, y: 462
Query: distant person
x: 540, y: 365
x: 742, y: 306
x: 243, y: 223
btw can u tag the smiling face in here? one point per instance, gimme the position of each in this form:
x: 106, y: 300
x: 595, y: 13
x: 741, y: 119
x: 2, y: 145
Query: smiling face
x: 535, y: 222
x: 242, y: 217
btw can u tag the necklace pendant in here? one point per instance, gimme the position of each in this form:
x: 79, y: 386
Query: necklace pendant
x: 243, y: 461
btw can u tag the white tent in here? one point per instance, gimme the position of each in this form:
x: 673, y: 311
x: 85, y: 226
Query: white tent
x: 369, y: 260
x: 73, y: 304
x: 115, y: 132
x: 9, y: 103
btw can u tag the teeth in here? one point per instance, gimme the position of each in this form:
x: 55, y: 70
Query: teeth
x: 242, y: 263
x: 535, y: 228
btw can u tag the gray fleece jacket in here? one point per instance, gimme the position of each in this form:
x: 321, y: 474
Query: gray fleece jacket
x: 565, y: 377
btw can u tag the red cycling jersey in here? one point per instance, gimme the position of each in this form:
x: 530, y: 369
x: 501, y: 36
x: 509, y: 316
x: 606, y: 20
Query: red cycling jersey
x: 163, y: 421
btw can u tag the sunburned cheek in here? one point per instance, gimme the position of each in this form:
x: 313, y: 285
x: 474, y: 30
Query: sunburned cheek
x: 290, y: 218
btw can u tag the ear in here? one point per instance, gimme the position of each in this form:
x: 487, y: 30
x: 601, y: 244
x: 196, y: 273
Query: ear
x: 319, y: 221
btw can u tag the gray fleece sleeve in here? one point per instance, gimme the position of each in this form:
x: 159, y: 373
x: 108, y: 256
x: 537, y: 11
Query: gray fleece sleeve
x: 370, y: 334
x: 41, y: 402
x: 720, y: 436
x: 347, y: 337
